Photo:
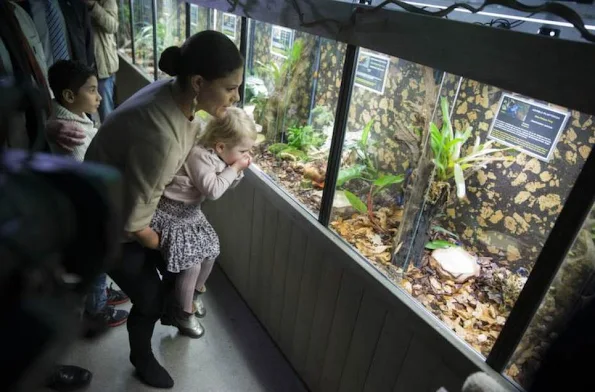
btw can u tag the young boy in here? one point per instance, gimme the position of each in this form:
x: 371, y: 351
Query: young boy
x: 76, y: 94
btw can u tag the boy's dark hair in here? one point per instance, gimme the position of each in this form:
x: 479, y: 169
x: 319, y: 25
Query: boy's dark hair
x: 68, y: 75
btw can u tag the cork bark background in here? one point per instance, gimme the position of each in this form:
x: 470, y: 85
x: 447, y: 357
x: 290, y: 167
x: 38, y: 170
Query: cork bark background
x: 299, y: 108
x: 511, y: 207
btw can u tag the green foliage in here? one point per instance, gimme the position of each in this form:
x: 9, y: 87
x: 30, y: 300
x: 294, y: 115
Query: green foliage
x: 439, y: 244
x: 350, y: 173
x: 301, y: 140
x: 305, y: 138
x: 281, y: 82
x: 356, y: 203
x: 367, y: 171
x: 450, y: 162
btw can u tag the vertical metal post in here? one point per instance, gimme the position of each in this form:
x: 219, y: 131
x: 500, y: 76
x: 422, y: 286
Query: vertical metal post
x: 341, y: 116
x: 243, y: 50
x: 568, y: 225
x: 188, y: 34
x: 154, y: 19
x: 315, y: 77
x: 131, y: 17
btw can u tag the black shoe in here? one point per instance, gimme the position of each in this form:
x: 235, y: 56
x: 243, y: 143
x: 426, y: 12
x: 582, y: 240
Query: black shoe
x: 150, y: 372
x: 109, y: 316
x: 116, y: 297
x: 69, y: 378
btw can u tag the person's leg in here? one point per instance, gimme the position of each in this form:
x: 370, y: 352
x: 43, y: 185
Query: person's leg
x: 97, y: 310
x: 185, y: 287
x: 181, y: 314
x: 138, y: 277
x: 97, y: 297
x: 205, y: 272
x: 106, y: 90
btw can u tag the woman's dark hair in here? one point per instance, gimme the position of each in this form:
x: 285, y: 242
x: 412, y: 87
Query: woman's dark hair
x: 68, y: 75
x: 209, y: 54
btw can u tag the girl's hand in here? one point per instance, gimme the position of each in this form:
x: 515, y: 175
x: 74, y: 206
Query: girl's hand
x: 66, y: 135
x: 242, y: 163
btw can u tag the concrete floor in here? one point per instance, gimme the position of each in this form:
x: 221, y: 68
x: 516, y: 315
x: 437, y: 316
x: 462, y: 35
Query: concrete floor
x: 235, y: 354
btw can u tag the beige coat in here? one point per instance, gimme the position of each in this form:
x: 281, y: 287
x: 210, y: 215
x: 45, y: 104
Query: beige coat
x: 104, y: 17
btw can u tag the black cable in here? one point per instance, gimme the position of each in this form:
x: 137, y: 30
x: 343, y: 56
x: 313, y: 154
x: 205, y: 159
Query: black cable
x: 557, y: 9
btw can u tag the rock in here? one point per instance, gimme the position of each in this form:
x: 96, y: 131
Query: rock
x: 340, y: 203
x: 455, y: 263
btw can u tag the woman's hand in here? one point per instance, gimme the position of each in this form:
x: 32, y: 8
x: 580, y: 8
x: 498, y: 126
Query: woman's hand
x: 66, y: 135
x: 147, y: 237
x: 242, y: 163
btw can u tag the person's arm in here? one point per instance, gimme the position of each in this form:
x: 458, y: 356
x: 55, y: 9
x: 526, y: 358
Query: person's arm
x: 202, y: 170
x: 105, y: 16
x: 66, y: 135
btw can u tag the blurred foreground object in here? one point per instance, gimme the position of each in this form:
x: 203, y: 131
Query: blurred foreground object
x: 60, y: 225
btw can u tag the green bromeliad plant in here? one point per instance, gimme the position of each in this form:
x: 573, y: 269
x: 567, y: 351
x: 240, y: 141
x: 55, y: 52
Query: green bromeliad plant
x: 451, y: 162
x: 368, y: 171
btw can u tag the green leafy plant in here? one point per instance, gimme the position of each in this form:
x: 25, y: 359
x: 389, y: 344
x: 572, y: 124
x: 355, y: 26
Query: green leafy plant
x: 305, y: 138
x: 281, y: 82
x: 369, y: 172
x: 300, y: 142
x: 450, y: 161
x: 439, y: 244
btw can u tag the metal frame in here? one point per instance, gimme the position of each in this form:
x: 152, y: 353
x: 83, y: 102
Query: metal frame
x: 154, y: 20
x: 340, y: 127
x: 243, y: 51
x: 527, y: 64
x: 569, y: 223
x: 131, y: 17
x: 187, y: 26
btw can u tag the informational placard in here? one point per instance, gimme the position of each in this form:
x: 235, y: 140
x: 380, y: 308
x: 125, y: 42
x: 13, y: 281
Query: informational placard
x: 281, y: 41
x: 531, y: 127
x: 229, y: 25
x: 193, y: 15
x: 371, y: 71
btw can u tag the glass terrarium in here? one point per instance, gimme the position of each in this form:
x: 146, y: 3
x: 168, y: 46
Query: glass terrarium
x: 143, y: 36
x: 124, y: 34
x: 171, y: 26
x: 292, y: 84
x: 450, y: 187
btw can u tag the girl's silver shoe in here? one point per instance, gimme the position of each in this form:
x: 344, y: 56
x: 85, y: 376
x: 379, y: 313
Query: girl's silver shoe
x: 188, y: 324
x: 201, y: 311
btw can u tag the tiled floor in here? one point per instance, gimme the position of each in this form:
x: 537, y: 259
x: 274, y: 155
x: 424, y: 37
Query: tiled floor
x: 235, y: 354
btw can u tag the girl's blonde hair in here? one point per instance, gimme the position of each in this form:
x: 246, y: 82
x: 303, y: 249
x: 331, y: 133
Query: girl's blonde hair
x: 230, y: 130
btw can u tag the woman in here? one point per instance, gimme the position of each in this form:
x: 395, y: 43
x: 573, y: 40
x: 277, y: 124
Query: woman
x: 148, y: 138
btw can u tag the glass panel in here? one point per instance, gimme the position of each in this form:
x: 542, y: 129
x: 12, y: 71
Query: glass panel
x: 124, y: 36
x: 478, y: 238
x: 572, y: 287
x: 143, y: 36
x: 292, y: 87
x: 199, y: 19
x: 463, y: 248
x: 171, y: 26
x: 391, y: 104
x: 228, y: 24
